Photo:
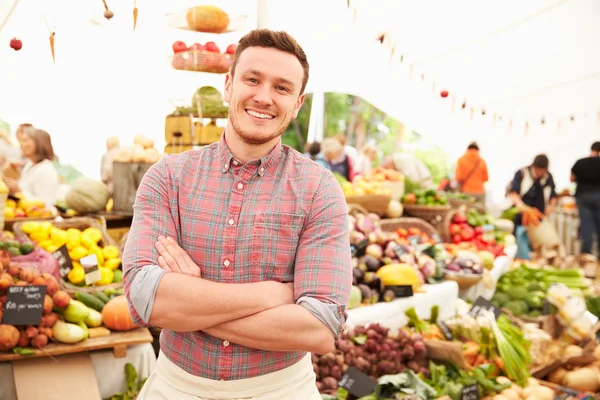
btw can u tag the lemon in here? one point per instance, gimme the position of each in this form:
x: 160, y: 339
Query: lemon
x: 30, y: 227
x: 58, y: 236
x: 76, y: 275
x: 45, y: 227
x: 78, y: 252
x: 95, y: 235
x: 39, y: 236
x: 9, y: 213
x: 106, y: 276
x: 111, y: 251
x: 45, y: 244
x: 112, y: 263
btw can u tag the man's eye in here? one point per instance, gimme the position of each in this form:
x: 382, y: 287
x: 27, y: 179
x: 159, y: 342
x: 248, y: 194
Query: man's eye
x: 282, y: 88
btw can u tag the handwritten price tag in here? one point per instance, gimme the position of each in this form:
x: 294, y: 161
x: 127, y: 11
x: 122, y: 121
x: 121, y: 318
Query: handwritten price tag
x: 24, y: 305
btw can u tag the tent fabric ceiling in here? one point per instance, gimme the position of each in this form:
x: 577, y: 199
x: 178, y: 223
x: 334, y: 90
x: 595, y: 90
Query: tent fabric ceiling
x: 531, y: 57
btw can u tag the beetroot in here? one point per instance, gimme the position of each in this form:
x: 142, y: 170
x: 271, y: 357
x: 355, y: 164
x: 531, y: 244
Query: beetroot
x: 364, y: 224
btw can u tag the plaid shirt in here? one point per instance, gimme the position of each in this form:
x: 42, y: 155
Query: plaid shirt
x: 281, y: 218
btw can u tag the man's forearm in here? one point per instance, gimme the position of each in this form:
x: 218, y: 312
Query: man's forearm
x: 184, y: 303
x: 517, y: 201
x: 285, y: 328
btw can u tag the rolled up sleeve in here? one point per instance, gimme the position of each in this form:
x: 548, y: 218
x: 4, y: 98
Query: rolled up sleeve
x: 152, y: 216
x: 322, y: 278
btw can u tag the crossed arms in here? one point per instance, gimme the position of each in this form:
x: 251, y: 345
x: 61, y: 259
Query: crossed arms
x: 169, y: 291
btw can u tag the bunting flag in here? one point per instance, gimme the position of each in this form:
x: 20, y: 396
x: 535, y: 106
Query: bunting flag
x: 395, y: 53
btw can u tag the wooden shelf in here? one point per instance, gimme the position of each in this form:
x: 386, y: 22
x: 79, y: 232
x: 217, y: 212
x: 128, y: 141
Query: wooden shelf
x: 118, y: 341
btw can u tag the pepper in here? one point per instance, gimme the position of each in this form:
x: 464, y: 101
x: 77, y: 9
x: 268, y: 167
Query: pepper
x: 52, y: 46
x: 135, y: 15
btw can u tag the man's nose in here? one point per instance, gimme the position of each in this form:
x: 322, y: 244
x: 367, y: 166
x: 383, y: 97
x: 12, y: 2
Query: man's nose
x: 263, y: 95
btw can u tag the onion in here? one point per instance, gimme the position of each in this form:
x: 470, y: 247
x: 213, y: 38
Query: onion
x: 584, y: 379
x: 394, y: 209
x: 572, y: 351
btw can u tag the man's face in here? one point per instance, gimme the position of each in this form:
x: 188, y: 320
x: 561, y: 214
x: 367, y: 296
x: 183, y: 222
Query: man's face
x: 539, y: 172
x: 264, y: 95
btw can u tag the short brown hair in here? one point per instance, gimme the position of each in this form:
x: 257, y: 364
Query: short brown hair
x: 43, y: 144
x: 279, y: 40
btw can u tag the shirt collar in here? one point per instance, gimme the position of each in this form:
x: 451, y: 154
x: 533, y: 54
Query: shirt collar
x: 263, y: 163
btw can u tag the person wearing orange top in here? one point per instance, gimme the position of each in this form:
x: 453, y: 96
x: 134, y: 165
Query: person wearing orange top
x: 471, y: 172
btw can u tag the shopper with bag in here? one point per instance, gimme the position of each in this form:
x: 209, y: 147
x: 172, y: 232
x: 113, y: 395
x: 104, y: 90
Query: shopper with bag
x: 533, y: 192
x: 586, y: 173
x: 472, y: 173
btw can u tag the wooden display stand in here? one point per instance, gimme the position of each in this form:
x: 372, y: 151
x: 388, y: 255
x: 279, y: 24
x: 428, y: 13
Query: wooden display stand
x: 189, y: 131
x: 65, y: 372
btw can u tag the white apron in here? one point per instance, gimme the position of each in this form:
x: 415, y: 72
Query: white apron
x: 169, y: 382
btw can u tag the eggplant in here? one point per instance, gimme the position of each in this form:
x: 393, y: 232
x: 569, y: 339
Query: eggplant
x: 371, y: 263
x: 366, y: 293
x: 358, y: 274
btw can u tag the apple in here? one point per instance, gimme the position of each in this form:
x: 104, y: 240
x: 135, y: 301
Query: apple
x: 231, y: 49
x: 179, y: 47
x: 212, y: 47
x: 16, y: 44
x: 196, y: 47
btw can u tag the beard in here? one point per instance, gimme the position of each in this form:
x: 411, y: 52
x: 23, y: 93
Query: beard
x: 254, y: 134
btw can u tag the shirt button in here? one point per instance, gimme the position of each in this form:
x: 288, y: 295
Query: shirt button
x: 231, y: 221
x: 221, y: 379
x: 226, y: 263
x: 240, y: 186
x: 262, y: 170
x: 235, y: 162
x: 224, y: 170
x: 226, y: 343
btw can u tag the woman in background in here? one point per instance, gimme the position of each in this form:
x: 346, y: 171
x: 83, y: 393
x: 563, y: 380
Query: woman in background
x: 365, y: 160
x: 39, y: 178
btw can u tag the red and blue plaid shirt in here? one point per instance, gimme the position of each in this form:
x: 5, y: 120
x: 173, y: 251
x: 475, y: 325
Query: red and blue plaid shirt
x: 281, y: 218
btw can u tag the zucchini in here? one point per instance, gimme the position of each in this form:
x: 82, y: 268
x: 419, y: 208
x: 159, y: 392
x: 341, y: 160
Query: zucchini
x: 90, y: 301
x: 102, y: 296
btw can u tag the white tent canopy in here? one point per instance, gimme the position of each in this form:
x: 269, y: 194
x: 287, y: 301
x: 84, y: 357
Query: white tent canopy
x: 511, y: 58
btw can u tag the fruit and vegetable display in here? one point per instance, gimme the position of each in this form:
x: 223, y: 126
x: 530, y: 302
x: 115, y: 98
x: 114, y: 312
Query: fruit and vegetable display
x: 202, y: 57
x: 143, y: 151
x: 64, y: 319
x: 374, y: 351
x: 580, y: 371
x: 361, y: 187
x: 523, y: 290
x: 133, y: 384
x: 385, y: 259
x: 425, y: 198
x: 21, y: 207
x: 80, y: 244
x: 481, y: 231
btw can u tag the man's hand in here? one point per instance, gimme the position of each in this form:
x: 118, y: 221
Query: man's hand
x: 174, y: 259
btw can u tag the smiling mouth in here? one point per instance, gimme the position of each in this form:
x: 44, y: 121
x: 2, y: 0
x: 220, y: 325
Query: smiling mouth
x: 259, y: 115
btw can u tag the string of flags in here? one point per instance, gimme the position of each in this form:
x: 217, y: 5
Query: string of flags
x: 477, y: 110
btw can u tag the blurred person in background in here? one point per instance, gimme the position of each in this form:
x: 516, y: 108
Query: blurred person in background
x: 411, y: 167
x: 348, y: 150
x: 365, y: 160
x: 339, y: 162
x: 39, y: 178
x: 106, y: 163
x: 532, y: 186
x: 586, y: 173
x: 314, y: 153
x: 8, y: 151
x: 471, y: 173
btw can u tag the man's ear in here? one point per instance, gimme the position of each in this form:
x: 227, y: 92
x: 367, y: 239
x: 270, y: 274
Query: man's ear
x: 298, y: 106
x: 228, y: 82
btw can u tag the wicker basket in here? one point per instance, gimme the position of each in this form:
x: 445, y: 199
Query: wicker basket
x: 391, y: 225
x: 464, y: 281
x: 354, y: 209
x: 457, y: 203
x: 373, y: 203
x: 435, y: 215
x: 78, y: 223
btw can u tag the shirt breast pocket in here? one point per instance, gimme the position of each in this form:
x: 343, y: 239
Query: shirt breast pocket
x: 275, y: 240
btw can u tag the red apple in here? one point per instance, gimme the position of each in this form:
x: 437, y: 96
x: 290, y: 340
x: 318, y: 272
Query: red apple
x: 16, y: 44
x: 212, y: 47
x: 179, y: 47
x: 444, y: 93
x: 196, y: 47
x: 231, y: 49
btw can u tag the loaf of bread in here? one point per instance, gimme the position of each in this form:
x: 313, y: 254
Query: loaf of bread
x: 210, y: 19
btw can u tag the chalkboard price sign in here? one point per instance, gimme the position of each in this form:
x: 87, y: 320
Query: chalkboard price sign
x: 470, y: 392
x: 24, y: 305
x: 65, y: 264
x: 357, y: 383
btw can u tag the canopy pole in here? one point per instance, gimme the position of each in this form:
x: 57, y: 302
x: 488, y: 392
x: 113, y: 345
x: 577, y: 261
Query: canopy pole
x: 262, y: 14
x: 9, y: 14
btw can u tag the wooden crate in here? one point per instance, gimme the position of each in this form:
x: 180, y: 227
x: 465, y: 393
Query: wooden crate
x: 176, y: 148
x: 208, y: 133
x: 178, y: 128
x: 127, y: 178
